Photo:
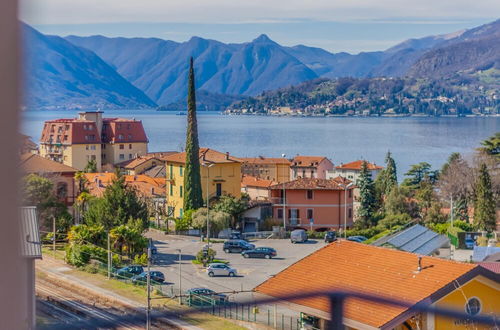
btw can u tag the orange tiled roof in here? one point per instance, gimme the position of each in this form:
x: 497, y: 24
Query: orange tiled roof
x: 356, y: 165
x: 252, y: 181
x: 31, y: 163
x: 265, y: 160
x: 206, y: 155
x: 345, y: 265
x: 314, y: 184
x: 147, y: 186
x: 133, y: 163
x: 307, y: 160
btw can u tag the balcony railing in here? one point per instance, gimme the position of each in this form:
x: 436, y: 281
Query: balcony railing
x: 278, y: 200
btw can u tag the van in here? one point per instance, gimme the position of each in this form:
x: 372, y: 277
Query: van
x: 298, y: 236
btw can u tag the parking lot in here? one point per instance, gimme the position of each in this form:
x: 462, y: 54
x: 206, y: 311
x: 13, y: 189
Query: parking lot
x: 251, y: 272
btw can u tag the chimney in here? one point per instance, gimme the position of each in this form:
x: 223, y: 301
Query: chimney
x: 419, y: 268
x: 227, y: 155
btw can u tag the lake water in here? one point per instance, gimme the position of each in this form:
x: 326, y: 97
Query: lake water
x: 411, y: 140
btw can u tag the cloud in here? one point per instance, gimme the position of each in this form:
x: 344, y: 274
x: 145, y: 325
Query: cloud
x: 255, y: 11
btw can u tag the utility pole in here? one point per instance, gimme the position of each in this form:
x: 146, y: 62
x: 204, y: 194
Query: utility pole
x: 148, y: 284
x: 109, y: 256
x: 180, y: 277
x: 451, y: 210
x: 54, y: 235
x: 284, y: 194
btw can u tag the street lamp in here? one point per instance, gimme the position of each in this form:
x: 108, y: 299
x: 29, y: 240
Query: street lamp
x: 345, y: 206
x: 180, y: 276
x: 284, y: 200
x: 208, y: 165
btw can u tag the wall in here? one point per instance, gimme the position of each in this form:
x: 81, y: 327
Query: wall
x: 352, y: 175
x: 257, y: 193
x: 78, y: 155
x: 141, y: 168
x: 327, y: 205
x: 113, y: 152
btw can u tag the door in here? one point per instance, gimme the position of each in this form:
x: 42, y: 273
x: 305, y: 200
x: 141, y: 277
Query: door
x: 218, y: 189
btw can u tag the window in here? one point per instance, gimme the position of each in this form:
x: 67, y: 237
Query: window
x: 129, y: 156
x: 181, y: 191
x: 130, y: 136
x: 103, y: 146
x: 92, y: 157
x: 350, y: 213
x: 350, y: 193
x: 122, y: 146
x: 65, y: 138
x: 218, y: 189
x: 303, y: 173
x: 171, y: 190
x: 181, y: 170
x: 279, y: 213
x: 170, y: 211
x: 87, y: 147
x: 310, y: 214
x: 309, y: 194
x: 92, y: 147
x: 120, y: 136
x: 130, y: 145
x: 103, y: 156
x: 473, y: 306
x: 181, y: 212
x: 171, y: 172
x: 122, y: 156
x: 119, y: 126
x: 62, y: 190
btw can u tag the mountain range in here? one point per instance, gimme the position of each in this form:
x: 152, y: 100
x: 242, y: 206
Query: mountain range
x: 145, y: 72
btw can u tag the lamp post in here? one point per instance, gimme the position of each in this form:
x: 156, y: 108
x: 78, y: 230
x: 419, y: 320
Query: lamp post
x: 180, y: 276
x: 284, y: 199
x: 208, y: 165
x: 345, y: 206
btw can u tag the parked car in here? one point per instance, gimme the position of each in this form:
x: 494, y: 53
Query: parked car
x: 156, y: 277
x: 260, y: 252
x: 469, y: 243
x: 129, y: 271
x: 237, y: 246
x: 203, y: 292
x: 330, y: 236
x: 359, y: 237
x: 220, y: 269
x: 355, y: 239
x: 298, y: 236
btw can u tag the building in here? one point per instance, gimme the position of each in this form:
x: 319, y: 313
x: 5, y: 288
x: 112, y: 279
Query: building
x: 145, y: 186
x: 139, y: 165
x: 31, y: 249
x: 220, y: 173
x: 352, y: 170
x: 256, y: 188
x: 350, y: 266
x: 27, y: 145
x: 317, y: 204
x: 310, y: 167
x: 274, y: 169
x: 253, y: 218
x: 90, y: 137
x: 62, y: 176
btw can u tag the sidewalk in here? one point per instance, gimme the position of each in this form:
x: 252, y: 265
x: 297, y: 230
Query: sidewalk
x: 60, y: 270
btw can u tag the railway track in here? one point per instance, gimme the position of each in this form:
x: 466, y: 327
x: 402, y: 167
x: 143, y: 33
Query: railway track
x: 78, y: 311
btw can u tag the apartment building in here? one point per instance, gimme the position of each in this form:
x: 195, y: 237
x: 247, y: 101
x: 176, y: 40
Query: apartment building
x: 352, y: 170
x: 310, y: 167
x: 76, y: 141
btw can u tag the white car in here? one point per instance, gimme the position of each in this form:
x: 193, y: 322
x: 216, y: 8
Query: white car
x: 220, y: 269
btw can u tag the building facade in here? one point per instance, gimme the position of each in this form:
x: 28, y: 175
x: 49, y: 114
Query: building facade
x: 273, y: 169
x: 90, y: 137
x: 256, y: 188
x: 313, y: 204
x: 220, y: 174
x: 352, y: 170
x: 310, y: 167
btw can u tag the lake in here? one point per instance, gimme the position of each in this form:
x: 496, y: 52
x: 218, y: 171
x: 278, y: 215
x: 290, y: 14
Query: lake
x: 411, y: 139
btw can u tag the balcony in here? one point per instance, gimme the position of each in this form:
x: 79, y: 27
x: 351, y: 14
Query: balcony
x: 294, y: 221
x: 278, y: 200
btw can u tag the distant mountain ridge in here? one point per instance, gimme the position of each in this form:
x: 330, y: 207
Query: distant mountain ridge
x: 157, y: 68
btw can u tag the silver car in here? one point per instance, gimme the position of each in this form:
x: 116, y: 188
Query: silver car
x: 220, y: 269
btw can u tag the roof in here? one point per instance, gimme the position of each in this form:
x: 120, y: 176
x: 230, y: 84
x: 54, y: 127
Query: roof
x: 31, y: 245
x: 492, y: 266
x: 345, y: 265
x: 161, y: 154
x: 206, y: 155
x: 157, y: 171
x: 356, y: 165
x: 265, y: 160
x: 145, y: 185
x: 314, y: 184
x: 416, y: 239
x: 307, y: 161
x: 493, y: 257
x: 480, y: 253
x: 252, y: 181
x: 31, y: 163
x: 133, y: 163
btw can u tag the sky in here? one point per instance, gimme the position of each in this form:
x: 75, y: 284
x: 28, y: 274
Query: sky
x: 349, y: 25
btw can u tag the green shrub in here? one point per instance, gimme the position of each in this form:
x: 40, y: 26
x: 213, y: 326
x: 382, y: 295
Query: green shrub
x: 90, y: 269
x: 269, y: 223
x: 207, y: 258
x: 141, y: 259
x: 76, y: 256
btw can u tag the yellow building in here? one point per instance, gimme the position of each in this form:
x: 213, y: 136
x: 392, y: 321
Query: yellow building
x: 220, y: 173
x: 76, y: 141
x: 274, y: 169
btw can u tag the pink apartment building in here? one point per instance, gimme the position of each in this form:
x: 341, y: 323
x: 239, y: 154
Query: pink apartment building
x: 310, y: 167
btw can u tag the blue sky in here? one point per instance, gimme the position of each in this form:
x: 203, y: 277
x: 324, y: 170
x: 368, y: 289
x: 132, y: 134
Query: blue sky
x: 352, y: 26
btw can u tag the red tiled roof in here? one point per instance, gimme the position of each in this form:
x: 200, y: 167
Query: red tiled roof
x: 356, y: 165
x: 31, y: 163
x: 252, y: 181
x: 145, y: 185
x: 265, y: 160
x: 345, y: 265
x: 206, y: 155
x: 314, y: 184
x: 492, y: 266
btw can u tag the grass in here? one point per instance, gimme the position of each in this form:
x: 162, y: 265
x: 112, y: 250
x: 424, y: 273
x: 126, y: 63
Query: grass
x: 59, y: 254
x: 219, y: 261
x: 376, y: 237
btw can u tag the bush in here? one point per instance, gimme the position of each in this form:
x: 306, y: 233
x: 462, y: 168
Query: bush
x: 269, y: 223
x: 394, y: 220
x: 92, y: 269
x: 141, y: 259
x: 368, y: 232
x: 207, y: 258
x: 76, y: 256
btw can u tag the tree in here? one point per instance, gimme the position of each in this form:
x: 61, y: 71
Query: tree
x: 484, y: 204
x: 425, y: 195
x: 491, y: 146
x: 366, y: 198
x: 233, y: 206
x: 218, y: 220
x: 417, y: 173
x: 192, y: 178
x: 127, y: 239
x: 91, y: 166
x: 395, y: 202
x: 387, y: 178
x: 118, y: 205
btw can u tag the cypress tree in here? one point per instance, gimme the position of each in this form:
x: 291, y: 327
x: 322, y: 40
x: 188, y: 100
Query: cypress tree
x: 192, y: 179
x: 391, y: 177
x: 484, y: 204
x: 366, y: 198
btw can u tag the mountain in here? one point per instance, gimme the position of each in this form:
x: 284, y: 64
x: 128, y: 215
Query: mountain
x: 159, y: 67
x: 59, y: 74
